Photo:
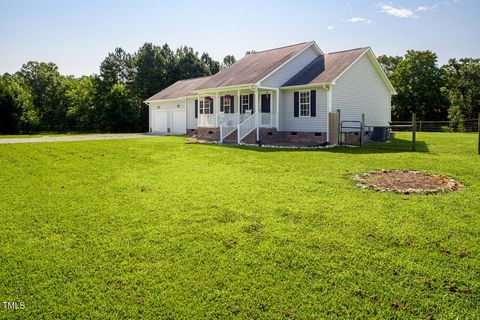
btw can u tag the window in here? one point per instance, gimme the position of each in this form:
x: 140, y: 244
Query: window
x: 304, y: 103
x: 245, y: 103
x: 226, y: 105
x: 204, y: 106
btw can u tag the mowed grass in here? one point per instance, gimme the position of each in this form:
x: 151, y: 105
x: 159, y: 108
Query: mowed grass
x: 160, y: 228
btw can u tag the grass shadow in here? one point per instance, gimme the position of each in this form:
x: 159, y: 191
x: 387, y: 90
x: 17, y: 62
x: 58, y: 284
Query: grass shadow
x: 395, y: 146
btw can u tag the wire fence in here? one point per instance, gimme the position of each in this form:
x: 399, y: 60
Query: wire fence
x: 470, y: 125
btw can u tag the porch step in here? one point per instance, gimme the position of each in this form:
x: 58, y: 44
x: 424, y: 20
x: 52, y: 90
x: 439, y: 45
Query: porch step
x: 231, y: 138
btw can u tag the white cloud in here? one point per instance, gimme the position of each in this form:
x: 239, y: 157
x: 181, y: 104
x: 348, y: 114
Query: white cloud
x: 427, y: 8
x: 359, y: 20
x: 329, y: 27
x: 397, y: 12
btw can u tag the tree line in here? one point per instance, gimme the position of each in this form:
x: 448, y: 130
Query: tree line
x: 449, y: 92
x: 38, y: 98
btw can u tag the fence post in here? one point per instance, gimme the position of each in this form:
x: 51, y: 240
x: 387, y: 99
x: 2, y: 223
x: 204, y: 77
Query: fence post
x: 362, y: 125
x: 414, y: 131
x: 478, y: 127
x: 339, y: 128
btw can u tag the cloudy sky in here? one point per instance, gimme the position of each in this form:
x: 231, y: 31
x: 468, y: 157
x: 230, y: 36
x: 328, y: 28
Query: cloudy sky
x: 77, y: 35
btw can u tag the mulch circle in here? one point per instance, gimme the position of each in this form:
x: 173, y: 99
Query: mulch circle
x: 406, y: 182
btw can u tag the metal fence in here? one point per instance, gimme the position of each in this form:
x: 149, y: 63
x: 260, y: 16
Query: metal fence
x: 470, y: 125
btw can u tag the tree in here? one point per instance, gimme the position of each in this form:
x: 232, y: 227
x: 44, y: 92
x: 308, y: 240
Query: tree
x: 463, y: 89
x: 47, y: 89
x: 81, y: 109
x: 228, y: 61
x: 212, y: 65
x: 117, y: 114
x: 188, y: 64
x: 16, y: 109
x: 117, y: 67
x: 389, y: 63
x: 418, y: 82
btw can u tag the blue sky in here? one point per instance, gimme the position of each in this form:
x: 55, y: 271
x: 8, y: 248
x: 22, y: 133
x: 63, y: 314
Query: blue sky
x: 77, y: 35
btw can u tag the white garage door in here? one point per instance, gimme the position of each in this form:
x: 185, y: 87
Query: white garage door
x: 179, y: 122
x: 160, y: 121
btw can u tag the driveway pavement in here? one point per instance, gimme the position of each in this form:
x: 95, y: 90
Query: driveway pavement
x: 109, y: 136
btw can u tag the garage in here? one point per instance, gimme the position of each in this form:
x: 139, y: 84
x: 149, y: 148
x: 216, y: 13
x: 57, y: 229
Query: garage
x: 171, y: 121
x: 179, y: 123
x: 160, y: 121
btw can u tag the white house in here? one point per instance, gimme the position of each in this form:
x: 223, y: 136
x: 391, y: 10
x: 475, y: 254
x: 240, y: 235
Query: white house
x: 283, y: 94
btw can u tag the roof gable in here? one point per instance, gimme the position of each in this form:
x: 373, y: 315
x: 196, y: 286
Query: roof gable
x: 254, y: 67
x: 181, y: 88
x: 327, y: 68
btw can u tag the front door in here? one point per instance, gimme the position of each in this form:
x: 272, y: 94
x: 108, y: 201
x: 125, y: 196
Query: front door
x: 266, y: 103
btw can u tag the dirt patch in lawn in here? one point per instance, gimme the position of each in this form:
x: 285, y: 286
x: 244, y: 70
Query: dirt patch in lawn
x: 406, y: 182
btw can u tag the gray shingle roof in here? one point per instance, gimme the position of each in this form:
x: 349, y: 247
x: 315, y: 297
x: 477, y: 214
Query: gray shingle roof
x: 325, y: 69
x: 253, y: 67
x: 181, y: 88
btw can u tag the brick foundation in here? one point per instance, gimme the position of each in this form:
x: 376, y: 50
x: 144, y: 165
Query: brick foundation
x: 270, y: 136
x: 209, y: 134
x: 191, y: 132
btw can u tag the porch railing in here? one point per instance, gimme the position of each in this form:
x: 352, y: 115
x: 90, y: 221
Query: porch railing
x: 228, y: 124
x: 268, y: 120
x: 207, y: 120
x: 245, y: 128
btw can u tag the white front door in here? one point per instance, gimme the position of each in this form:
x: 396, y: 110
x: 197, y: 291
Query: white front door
x: 179, y: 121
x: 160, y: 121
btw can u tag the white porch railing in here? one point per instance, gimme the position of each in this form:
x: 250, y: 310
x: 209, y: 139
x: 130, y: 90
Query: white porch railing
x: 207, y: 120
x: 268, y: 120
x: 245, y: 128
x: 228, y: 124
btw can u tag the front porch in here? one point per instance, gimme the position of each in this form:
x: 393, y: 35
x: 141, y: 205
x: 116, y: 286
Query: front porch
x: 234, y: 114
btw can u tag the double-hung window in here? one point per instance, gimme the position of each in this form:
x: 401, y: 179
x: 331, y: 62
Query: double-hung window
x: 245, y: 103
x: 205, y: 106
x: 304, y: 104
x: 226, y: 105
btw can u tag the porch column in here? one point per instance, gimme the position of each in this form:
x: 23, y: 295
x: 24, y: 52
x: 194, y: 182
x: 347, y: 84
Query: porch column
x: 238, y: 103
x: 199, y: 119
x: 257, y: 114
x: 277, y: 124
x: 329, y: 108
x: 217, y: 101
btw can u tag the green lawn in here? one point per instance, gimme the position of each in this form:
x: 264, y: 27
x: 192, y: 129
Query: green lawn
x: 159, y: 228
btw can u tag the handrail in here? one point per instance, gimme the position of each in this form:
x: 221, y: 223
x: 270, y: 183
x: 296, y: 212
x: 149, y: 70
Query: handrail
x: 228, y: 125
x: 245, y: 128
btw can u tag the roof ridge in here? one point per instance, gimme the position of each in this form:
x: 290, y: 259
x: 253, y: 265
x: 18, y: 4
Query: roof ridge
x: 291, y: 45
x: 348, y: 50
x: 195, y: 78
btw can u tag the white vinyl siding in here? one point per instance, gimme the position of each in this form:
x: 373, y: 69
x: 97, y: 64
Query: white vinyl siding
x: 291, y: 68
x: 362, y: 90
x: 192, y: 122
x: 303, y: 124
x: 169, y: 105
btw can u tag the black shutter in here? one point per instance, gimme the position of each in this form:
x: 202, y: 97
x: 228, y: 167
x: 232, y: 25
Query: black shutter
x: 196, y: 109
x: 265, y: 103
x: 313, y: 103
x: 295, y: 104
x: 221, y: 104
x: 250, y: 102
x: 211, y: 106
x: 232, y: 108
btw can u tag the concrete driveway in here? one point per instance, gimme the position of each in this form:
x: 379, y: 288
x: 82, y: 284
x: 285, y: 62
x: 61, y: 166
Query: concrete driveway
x: 88, y: 137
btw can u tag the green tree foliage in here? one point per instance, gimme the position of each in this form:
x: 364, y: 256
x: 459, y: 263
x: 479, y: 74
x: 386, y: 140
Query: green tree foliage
x: 389, y: 64
x: 463, y: 87
x: 418, y: 82
x: 118, y: 112
x: 189, y: 65
x: 16, y: 108
x: 228, y: 61
x: 212, y: 65
x: 47, y: 90
x: 80, y: 97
